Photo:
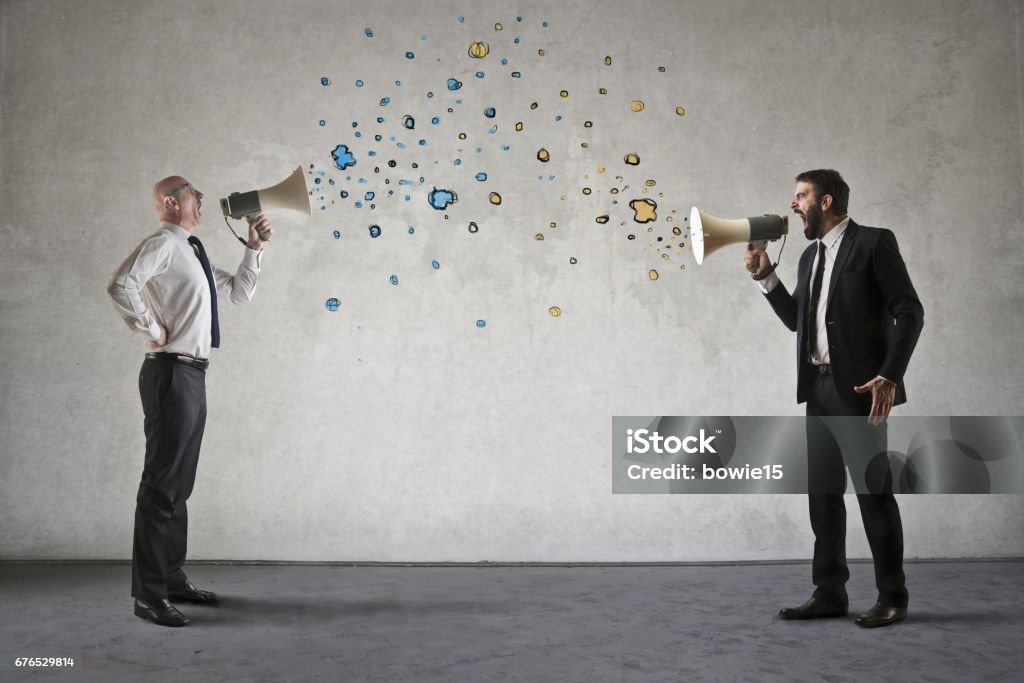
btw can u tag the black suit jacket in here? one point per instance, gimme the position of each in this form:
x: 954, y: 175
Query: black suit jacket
x: 873, y: 316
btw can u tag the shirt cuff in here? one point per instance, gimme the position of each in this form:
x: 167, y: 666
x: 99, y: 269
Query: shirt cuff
x: 769, y: 283
x: 154, y: 330
x: 252, y: 258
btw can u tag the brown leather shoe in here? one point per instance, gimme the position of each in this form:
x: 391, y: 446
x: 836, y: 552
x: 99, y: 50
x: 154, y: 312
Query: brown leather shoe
x: 160, y: 612
x: 189, y: 593
x: 881, y: 615
x: 815, y: 608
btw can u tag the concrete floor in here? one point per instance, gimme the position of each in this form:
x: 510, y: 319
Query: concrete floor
x: 618, y: 623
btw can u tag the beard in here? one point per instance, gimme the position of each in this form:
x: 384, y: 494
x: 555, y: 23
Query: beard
x: 813, y: 222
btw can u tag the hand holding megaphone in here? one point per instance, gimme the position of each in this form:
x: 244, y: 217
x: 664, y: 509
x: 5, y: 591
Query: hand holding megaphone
x: 756, y: 259
x: 259, y: 228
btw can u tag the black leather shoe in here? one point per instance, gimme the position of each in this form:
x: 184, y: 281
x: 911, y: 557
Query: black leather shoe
x: 160, y: 612
x: 881, y: 615
x: 815, y: 608
x: 189, y: 593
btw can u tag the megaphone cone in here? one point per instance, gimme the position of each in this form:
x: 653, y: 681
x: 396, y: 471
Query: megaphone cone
x: 290, y: 194
x: 708, y: 233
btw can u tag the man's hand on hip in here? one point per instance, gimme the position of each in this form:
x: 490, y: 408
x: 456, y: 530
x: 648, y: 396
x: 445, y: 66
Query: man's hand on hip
x: 883, y: 395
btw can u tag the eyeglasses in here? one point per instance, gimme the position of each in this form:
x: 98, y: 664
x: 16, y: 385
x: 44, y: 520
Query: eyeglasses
x: 184, y: 186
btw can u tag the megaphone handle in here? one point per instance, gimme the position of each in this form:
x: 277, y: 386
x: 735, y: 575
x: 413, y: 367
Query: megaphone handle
x: 251, y: 218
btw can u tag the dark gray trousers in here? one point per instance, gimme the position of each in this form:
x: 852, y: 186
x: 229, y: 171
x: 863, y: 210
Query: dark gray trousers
x: 174, y: 403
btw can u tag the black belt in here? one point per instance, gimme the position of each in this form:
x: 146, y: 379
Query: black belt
x: 822, y: 369
x: 181, y: 358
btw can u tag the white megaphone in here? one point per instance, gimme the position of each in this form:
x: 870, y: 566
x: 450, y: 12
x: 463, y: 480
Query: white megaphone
x: 709, y: 234
x: 290, y: 194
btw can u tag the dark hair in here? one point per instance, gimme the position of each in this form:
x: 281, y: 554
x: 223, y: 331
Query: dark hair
x: 828, y: 182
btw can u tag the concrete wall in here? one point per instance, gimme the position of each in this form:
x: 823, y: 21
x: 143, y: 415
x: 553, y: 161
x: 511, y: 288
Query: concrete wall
x: 394, y: 428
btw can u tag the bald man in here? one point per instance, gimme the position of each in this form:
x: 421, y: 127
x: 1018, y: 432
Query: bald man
x: 167, y: 292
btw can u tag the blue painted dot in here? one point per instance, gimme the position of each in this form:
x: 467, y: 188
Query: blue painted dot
x: 385, y: 101
x: 551, y: 177
x: 409, y: 55
x: 516, y: 41
x: 423, y: 37
x: 398, y: 84
x: 394, y: 279
x: 436, y: 120
x: 481, y: 323
x: 458, y: 101
x: 558, y: 117
x: 516, y: 74
x: 362, y: 181
x: 435, y: 264
x: 344, y: 194
x: 478, y: 150
x: 337, y: 234
x: 411, y: 229
x: 325, y: 81
x: 330, y: 181
x: 368, y: 32
x: 355, y: 124
x: 454, y: 84
x: 401, y: 145
x: 504, y: 61
x: 316, y: 181
x: 407, y: 198
x: 375, y: 231
x: 409, y: 122
x: 490, y: 112
x: 332, y: 304
x: 519, y: 18
x: 479, y: 74
x: 380, y: 119
x: 371, y: 153
x: 422, y: 143
x: 462, y: 20
x: 358, y: 134
x: 369, y: 196
x: 544, y: 24
x: 481, y: 176
x: 505, y: 147
x: 429, y: 95
x: 358, y: 205
x: 322, y: 122
x: 392, y: 138
x: 359, y: 84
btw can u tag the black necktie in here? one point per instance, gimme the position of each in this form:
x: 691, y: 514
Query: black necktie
x: 201, y: 255
x: 812, y: 309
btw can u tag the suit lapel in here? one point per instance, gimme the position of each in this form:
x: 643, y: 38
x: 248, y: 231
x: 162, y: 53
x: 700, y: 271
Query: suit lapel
x: 837, y: 268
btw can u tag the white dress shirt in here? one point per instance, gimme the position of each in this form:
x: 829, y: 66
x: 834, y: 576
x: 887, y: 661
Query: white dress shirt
x: 831, y: 240
x: 162, y: 286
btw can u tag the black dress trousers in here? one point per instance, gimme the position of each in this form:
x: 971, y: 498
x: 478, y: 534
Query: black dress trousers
x: 827, y: 481
x: 174, y: 403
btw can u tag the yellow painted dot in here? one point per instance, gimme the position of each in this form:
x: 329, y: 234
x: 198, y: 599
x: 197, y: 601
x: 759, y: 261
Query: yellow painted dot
x: 644, y: 211
x: 682, y: 266
x: 539, y: 237
x: 555, y: 311
x: 602, y: 219
x: 519, y: 126
x: 650, y: 182
x: 631, y: 159
x: 681, y: 111
x: 564, y: 197
x: 564, y: 94
x: 552, y: 225
x: 608, y: 60
x: 462, y: 136
x: 584, y: 145
x: 533, y: 106
x: 614, y: 190
x: 543, y: 155
x: 636, y: 105
x: 479, y: 49
x: 600, y: 169
x: 669, y: 218
x: 540, y: 52
x: 664, y: 257
x: 498, y: 27
x: 653, y: 274
x: 494, y: 128
x: 495, y: 198
x: 676, y: 230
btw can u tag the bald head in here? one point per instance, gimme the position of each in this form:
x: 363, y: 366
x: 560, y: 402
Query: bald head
x: 175, y: 200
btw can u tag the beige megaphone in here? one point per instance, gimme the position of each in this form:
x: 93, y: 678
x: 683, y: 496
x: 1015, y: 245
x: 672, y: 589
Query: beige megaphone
x: 290, y: 194
x: 709, y: 234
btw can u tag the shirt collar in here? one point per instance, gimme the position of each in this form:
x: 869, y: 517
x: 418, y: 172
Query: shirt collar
x: 175, y: 230
x: 835, y: 233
